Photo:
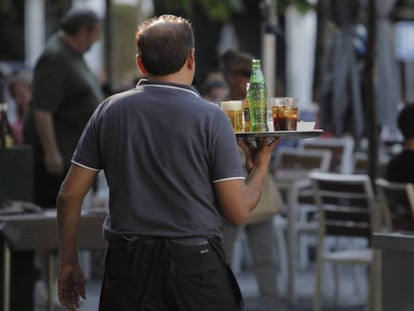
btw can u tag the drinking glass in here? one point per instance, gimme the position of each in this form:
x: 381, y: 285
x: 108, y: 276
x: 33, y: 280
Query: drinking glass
x: 284, y: 113
x: 234, y: 110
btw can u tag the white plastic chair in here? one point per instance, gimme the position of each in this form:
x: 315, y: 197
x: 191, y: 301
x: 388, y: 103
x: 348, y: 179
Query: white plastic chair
x: 342, y: 149
x: 291, y: 168
x: 346, y: 210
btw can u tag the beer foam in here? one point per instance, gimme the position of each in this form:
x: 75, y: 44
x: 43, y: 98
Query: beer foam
x: 232, y: 105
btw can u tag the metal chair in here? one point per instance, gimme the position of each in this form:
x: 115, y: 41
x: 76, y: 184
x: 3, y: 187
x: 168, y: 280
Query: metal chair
x: 346, y: 210
x: 342, y: 149
x: 291, y: 168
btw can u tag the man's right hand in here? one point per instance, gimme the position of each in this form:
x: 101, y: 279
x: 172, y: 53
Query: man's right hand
x: 258, y: 154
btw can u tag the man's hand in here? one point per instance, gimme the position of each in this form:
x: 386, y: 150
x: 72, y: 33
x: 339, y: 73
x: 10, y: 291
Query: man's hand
x: 71, y: 286
x: 257, y: 154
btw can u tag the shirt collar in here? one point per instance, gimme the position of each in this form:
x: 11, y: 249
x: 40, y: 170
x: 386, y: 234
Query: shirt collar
x: 175, y: 86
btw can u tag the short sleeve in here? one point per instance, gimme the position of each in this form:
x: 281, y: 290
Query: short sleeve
x: 87, y: 150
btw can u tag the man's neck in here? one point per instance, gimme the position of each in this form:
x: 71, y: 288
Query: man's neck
x: 71, y: 40
x: 177, y: 78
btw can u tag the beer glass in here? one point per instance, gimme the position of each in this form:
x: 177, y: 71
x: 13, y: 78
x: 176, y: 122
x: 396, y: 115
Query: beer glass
x: 284, y: 113
x: 234, y: 110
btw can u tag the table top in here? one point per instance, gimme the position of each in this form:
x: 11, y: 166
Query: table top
x: 393, y: 241
x: 38, y: 231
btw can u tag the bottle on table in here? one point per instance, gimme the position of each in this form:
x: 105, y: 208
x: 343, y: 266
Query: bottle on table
x: 257, y: 96
x: 246, y: 111
x: 6, y: 133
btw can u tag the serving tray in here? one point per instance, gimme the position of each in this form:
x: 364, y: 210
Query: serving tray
x: 281, y: 134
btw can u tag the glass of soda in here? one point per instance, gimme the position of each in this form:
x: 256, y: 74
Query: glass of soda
x: 284, y: 113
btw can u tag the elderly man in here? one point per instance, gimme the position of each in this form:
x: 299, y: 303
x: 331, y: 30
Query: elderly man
x: 65, y: 94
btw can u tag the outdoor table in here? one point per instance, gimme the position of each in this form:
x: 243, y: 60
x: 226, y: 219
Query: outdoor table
x: 38, y: 232
x: 395, y: 272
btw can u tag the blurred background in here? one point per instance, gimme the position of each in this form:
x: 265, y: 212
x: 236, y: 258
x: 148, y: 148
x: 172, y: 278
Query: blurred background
x: 350, y: 63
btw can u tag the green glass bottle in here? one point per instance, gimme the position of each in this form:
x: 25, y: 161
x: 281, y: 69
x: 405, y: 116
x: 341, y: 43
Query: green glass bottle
x: 257, y: 95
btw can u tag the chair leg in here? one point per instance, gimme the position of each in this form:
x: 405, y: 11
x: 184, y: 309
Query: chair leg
x: 318, y: 284
x: 336, y: 283
x: 375, y: 285
x: 358, y: 274
x: 372, y: 303
x: 303, y: 252
x: 280, y: 228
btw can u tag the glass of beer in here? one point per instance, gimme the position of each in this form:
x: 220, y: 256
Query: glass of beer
x: 234, y: 110
x: 284, y: 113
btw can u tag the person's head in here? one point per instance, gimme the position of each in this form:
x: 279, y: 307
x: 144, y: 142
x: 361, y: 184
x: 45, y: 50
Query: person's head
x: 83, y: 26
x: 165, y: 46
x: 214, y: 90
x: 405, y: 121
x: 236, y: 67
x: 20, y: 90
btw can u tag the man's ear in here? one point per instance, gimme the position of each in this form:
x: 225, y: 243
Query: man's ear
x: 191, y: 59
x: 140, y: 65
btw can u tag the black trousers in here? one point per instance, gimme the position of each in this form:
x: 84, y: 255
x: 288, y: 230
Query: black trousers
x: 160, y: 274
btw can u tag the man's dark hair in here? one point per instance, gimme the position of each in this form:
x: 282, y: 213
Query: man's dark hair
x: 405, y: 121
x: 238, y: 62
x: 164, y: 43
x: 77, y: 18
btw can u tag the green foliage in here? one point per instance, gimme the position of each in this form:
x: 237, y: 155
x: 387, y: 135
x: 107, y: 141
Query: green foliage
x: 5, y: 6
x: 179, y: 4
x: 407, y: 3
x: 303, y: 6
x: 222, y: 9
x: 215, y: 9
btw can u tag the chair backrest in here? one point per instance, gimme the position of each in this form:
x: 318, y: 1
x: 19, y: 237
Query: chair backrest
x: 304, y: 160
x: 397, y: 201
x: 342, y: 150
x: 345, y: 203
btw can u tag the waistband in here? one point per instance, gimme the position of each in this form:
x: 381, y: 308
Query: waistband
x: 190, y: 241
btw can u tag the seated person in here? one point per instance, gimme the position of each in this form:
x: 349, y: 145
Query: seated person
x: 401, y: 167
x: 214, y: 88
x: 20, y: 90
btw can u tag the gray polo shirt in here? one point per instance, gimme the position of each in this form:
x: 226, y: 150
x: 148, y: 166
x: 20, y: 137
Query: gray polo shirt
x: 161, y: 147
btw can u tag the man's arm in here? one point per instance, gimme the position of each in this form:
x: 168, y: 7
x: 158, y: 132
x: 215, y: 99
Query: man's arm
x: 238, y: 198
x: 46, y: 131
x: 71, y: 283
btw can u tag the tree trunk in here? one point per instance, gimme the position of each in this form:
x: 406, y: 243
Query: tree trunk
x: 319, y: 48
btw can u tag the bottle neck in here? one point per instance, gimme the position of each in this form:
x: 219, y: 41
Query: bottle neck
x: 257, y: 75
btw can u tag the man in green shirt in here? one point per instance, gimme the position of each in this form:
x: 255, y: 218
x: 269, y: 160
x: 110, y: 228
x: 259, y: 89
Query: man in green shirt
x: 65, y: 94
